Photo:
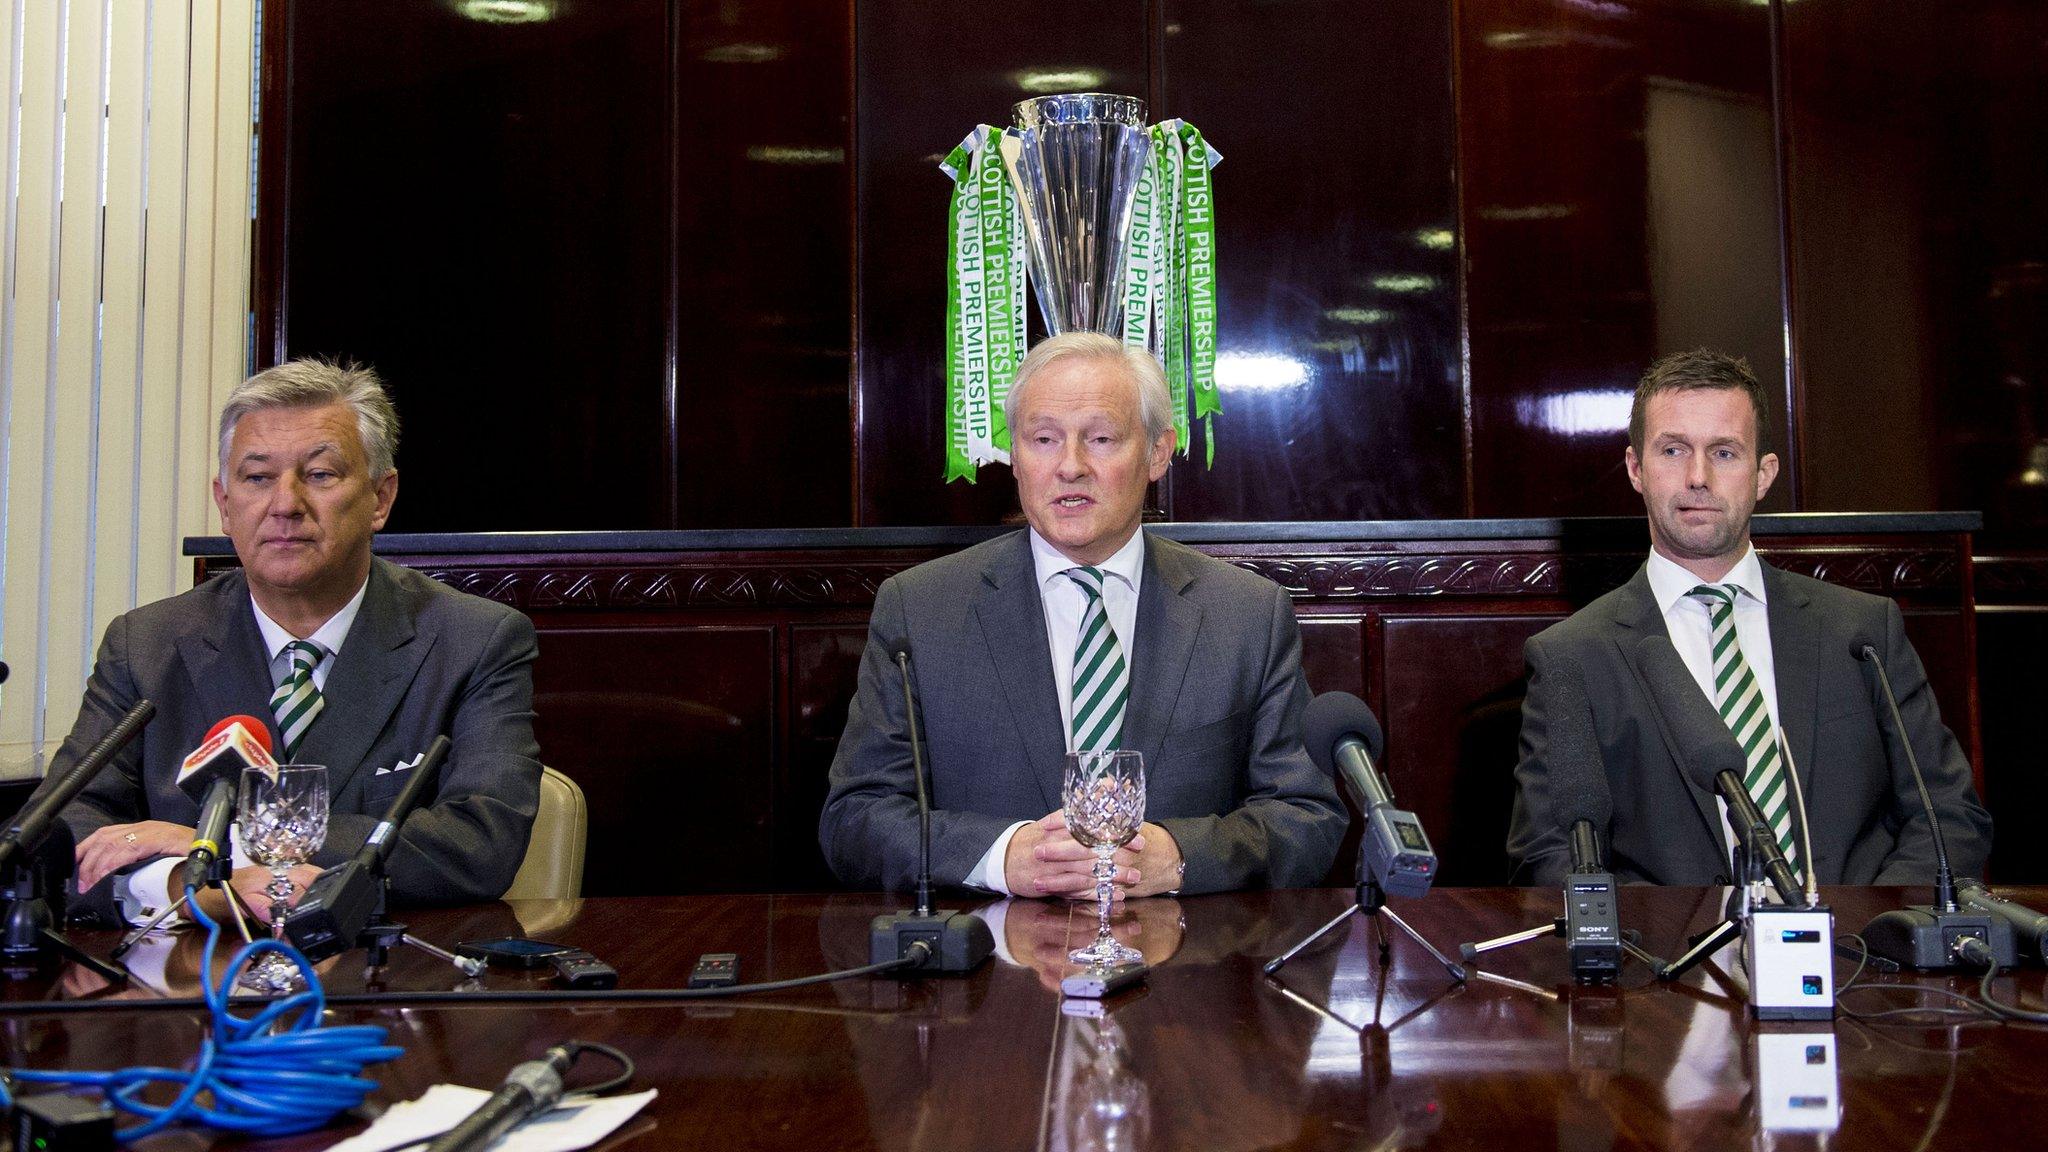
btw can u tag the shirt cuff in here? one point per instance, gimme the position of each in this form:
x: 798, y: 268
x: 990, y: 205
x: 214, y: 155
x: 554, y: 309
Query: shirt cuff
x: 988, y: 871
x: 147, y: 891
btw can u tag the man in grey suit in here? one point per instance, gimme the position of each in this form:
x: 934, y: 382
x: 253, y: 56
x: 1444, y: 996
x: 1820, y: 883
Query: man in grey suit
x: 354, y: 663
x: 1773, y: 654
x: 1001, y: 634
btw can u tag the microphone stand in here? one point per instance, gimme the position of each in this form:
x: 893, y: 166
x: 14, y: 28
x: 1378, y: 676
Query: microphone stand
x: 380, y: 934
x: 1370, y: 900
x: 28, y: 926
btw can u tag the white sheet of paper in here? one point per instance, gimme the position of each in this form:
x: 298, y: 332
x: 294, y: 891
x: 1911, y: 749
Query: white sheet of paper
x: 444, y: 1105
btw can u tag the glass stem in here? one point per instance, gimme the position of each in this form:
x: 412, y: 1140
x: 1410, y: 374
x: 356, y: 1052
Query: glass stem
x: 1105, y: 873
x: 280, y: 902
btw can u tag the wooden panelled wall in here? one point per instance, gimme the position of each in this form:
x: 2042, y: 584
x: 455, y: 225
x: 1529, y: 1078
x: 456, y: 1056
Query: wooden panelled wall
x: 678, y: 263
x: 698, y: 696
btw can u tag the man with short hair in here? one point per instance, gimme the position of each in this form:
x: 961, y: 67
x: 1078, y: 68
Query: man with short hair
x: 355, y: 663
x: 1082, y: 633
x: 1774, y: 653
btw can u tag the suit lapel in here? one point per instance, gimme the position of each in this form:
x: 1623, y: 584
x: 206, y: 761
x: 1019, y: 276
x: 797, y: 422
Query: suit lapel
x: 226, y: 661
x: 1013, y: 625
x: 369, y: 678
x: 1167, y: 629
x: 1640, y: 617
x: 1795, y: 664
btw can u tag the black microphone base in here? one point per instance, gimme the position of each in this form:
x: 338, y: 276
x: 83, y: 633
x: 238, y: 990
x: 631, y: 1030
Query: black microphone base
x: 1921, y: 937
x: 959, y: 941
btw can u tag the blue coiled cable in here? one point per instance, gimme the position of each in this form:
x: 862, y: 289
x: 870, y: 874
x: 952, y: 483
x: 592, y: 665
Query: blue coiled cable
x: 262, y: 1083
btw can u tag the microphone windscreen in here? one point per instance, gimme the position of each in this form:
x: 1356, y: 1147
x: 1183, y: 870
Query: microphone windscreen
x: 257, y: 730
x: 1706, y: 747
x: 231, y: 747
x: 1578, y: 775
x: 1332, y: 716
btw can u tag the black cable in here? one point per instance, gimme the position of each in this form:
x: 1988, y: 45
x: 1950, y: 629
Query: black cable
x: 919, y: 950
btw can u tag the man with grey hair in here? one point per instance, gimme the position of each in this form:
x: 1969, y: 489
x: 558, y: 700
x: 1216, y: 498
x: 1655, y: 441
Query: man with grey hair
x: 352, y: 662
x: 1083, y: 633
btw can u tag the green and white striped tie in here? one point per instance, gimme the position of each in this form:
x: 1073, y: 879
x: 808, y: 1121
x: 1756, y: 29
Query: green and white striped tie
x: 1740, y: 698
x: 1102, y: 681
x: 297, y: 701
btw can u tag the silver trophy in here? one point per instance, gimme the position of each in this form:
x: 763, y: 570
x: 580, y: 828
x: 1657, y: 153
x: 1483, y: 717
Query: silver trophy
x: 1074, y: 162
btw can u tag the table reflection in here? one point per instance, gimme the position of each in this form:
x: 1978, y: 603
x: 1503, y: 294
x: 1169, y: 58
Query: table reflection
x: 1097, y: 1100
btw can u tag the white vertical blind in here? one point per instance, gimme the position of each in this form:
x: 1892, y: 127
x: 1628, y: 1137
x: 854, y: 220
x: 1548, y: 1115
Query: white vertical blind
x: 123, y: 319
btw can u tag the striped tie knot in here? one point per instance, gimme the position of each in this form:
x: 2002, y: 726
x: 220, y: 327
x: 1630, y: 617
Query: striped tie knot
x: 297, y: 701
x: 1089, y: 578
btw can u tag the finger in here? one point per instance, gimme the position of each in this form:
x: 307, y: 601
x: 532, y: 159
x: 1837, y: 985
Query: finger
x: 1136, y: 844
x: 1055, y: 821
x: 1063, y: 849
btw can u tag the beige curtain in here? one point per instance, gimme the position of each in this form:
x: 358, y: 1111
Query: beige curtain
x: 124, y: 316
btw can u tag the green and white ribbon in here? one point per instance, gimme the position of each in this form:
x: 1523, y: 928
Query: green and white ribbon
x: 1170, y: 300
x: 985, y: 278
x: 1198, y: 231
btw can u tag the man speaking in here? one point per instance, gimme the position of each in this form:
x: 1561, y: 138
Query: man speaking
x: 356, y: 663
x: 1079, y: 633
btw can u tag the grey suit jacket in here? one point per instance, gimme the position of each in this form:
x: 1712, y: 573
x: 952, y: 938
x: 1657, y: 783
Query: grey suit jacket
x: 422, y: 659
x: 1868, y: 825
x: 1215, y: 706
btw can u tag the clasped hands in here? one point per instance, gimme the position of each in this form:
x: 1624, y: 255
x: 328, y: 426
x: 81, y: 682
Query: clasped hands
x: 115, y: 846
x: 1044, y: 859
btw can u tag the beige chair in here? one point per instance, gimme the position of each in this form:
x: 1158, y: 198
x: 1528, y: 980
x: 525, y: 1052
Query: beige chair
x: 553, y: 868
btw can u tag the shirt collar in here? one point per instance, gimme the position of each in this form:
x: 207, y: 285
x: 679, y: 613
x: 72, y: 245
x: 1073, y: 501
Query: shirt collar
x: 1670, y: 583
x: 1128, y: 563
x: 329, y: 635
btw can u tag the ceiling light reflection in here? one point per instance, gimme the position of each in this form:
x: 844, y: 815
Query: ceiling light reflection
x: 1593, y: 412
x: 1050, y: 80
x: 1259, y: 372
x: 506, y: 11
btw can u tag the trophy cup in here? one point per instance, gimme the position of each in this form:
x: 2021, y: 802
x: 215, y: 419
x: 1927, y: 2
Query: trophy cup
x: 1074, y: 162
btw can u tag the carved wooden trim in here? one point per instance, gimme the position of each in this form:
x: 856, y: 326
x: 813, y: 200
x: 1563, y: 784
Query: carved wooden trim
x: 2012, y: 579
x: 566, y: 587
x: 804, y: 583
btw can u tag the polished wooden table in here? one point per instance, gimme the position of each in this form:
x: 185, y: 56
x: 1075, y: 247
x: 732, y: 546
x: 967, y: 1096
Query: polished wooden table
x: 1336, y: 1052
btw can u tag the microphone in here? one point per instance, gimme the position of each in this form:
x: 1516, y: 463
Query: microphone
x: 1711, y: 759
x: 211, y: 776
x: 951, y: 942
x: 2029, y: 926
x: 32, y: 822
x: 1929, y: 936
x: 1585, y: 804
x: 530, y: 1089
x: 339, y: 903
x: 1343, y: 737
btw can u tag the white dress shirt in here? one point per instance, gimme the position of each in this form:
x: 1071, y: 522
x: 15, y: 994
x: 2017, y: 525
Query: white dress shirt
x: 1065, y: 603
x: 148, y: 889
x: 1692, y: 633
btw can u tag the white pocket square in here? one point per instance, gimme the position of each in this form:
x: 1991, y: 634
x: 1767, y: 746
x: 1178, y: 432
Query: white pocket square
x: 403, y: 765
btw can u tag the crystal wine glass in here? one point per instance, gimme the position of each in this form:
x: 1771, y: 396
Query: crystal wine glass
x: 283, y: 819
x: 1103, y: 796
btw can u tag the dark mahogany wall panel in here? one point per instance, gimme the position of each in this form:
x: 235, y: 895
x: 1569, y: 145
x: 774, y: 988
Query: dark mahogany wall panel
x: 1338, y: 352
x: 926, y: 74
x: 482, y: 212
x: 1619, y: 202
x: 667, y: 735
x: 763, y: 249
x: 1921, y: 253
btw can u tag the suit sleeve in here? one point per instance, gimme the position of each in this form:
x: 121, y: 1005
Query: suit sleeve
x: 1286, y: 831
x: 467, y: 845
x: 1536, y: 846
x: 116, y: 795
x: 869, y: 827
x: 1965, y: 825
